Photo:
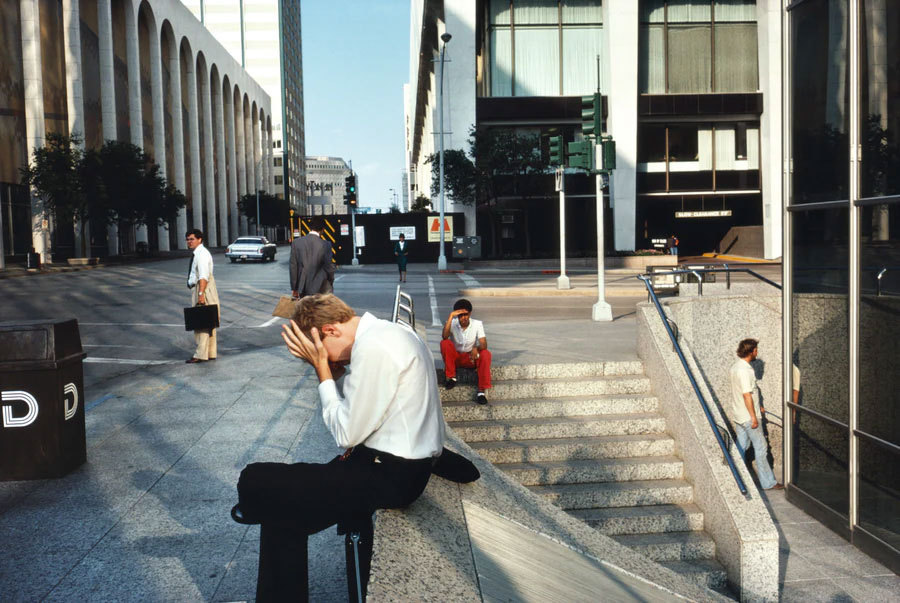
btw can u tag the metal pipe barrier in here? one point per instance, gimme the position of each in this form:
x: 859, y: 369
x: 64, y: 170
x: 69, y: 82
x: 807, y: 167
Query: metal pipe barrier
x: 698, y: 271
x: 712, y: 423
x: 408, y: 308
x: 878, y: 278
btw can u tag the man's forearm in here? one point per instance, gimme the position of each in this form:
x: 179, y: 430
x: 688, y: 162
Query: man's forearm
x: 748, y: 402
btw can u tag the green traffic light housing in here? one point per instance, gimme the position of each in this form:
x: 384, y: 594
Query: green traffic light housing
x: 556, y: 151
x: 591, y: 115
x: 350, y: 189
x: 581, y: 155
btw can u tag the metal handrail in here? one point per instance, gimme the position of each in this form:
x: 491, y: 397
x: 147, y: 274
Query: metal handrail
x: 712, y: 423
x: 408, y: 307
x: 727, y: 270
x: 878, y: 278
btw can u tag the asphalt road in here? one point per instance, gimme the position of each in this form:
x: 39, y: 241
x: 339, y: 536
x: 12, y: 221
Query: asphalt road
x: 130, y: 317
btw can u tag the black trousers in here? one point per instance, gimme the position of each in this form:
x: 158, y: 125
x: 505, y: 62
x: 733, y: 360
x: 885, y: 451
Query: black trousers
x: 292, y: 501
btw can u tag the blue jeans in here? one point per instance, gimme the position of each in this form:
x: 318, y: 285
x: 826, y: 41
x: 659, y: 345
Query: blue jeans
x: 746, y: 435
x: 673, y: 251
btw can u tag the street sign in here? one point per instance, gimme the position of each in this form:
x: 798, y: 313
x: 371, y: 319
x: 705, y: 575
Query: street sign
x: 360, y: 236
x: 434, y: 229
x: 345, y: 230
x: 717, y: 213
x: 409, y: 232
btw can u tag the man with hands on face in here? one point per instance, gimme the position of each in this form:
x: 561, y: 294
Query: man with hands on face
x: 378, y: 389
x: 465, y: 344
x: 746, y: 424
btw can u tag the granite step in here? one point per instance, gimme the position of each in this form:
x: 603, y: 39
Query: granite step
x: 565, y: 406
x: 560, y: 427
x: 642, y: 520
x: 705, y: 572
x: 617, y: 494
x: 670, y: 546
x: 519, y: 389
x: 606, y: 470
x: 553, y: 371
x: 581, y: 448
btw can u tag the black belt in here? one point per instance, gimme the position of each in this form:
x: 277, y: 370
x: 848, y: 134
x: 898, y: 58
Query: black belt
x: 364, y: 453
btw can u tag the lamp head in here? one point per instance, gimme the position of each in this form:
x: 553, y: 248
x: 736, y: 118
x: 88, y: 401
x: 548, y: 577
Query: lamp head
x: 445, y: 37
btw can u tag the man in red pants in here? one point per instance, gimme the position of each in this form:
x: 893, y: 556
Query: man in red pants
x: 464, y: 344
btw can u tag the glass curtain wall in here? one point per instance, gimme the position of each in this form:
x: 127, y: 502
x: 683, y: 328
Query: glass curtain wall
x: 843, y: 269
x: 697, y: 46
x: 544, y: 47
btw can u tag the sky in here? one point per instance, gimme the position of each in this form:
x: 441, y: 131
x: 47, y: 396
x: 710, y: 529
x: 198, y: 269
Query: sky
x: 355, y: 62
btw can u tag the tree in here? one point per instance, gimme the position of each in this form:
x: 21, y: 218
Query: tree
x: 422, y: 204
x: 459, y: 176
x: 55, y: 174
x: 273, y: 210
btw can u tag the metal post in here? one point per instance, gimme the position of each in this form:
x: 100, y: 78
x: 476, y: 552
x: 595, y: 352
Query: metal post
x: 3, y: 249
x: 602, y: 311
x: 355, y: 261
x: 563, y: 281
x: 442, y: 258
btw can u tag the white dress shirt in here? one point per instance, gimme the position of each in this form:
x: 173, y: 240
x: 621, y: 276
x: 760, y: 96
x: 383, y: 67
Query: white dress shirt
x: 465, y: 339
x: 390, y: 400
x: 202, y: 266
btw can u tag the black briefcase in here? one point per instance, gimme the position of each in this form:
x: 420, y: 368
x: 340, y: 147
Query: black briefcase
x: 201, y: 318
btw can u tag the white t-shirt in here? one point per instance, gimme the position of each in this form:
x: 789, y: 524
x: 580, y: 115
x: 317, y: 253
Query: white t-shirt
x: 465, y: 339
x: 743, y: 381
x: 389, y: 399
x: 202, y: 266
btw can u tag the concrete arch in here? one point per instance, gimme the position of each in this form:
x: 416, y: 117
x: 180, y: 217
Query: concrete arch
x: 228, y: 94
x: 218, y: 132
x: 254, y: 156
x: 174, y: 125
x: 207, y: 177
x: 192, y: 146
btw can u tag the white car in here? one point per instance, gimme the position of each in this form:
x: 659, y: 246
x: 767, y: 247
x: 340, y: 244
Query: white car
x: 251, y: 248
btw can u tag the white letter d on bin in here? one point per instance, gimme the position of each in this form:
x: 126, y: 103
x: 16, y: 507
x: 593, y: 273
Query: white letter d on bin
x: 8, y: 419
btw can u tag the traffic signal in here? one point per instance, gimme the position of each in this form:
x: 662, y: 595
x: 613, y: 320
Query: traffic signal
x: 581, y: 154
x: 608, y: 154
x: 556, y: 151
x: 350, y: 190
x: 591, y: 115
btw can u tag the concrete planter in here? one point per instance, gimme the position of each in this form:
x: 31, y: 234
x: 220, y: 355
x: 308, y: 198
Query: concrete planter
x: 83, y: 261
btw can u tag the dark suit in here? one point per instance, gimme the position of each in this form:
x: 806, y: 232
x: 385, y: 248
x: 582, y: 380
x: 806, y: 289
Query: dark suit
x: 312, y: 270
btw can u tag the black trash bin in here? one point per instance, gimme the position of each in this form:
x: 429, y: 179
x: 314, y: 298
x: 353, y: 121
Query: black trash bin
x: 32, y: 260
x: 41, y: 399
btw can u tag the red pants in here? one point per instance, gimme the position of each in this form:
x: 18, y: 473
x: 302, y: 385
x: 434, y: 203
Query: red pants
x: 453, y: 359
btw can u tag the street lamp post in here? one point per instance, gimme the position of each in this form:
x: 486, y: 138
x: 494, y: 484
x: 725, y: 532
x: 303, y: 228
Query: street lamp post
x: 442, y: 258
x: 256, y: 183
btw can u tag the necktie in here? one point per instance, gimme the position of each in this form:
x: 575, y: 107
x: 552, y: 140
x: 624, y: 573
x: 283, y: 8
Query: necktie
x: 190, y: 268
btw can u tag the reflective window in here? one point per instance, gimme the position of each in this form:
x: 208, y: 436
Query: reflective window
x: 819, y: 70
x: 821, y: 453
x: 879, y: 321
x: 879, y: 500
x: 544, y: 47
x: 820, y: 310
x: 879, y: 63
x: 697, y: 46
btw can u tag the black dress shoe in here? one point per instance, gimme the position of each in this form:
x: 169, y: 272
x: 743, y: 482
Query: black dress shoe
x: 481, y: 398
x: 193, y: 360
x: 451, y: 383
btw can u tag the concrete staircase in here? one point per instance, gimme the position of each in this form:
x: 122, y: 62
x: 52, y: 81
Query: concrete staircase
x: 588, y: 437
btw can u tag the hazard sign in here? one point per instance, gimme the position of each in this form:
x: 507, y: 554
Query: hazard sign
x: 434, y: 229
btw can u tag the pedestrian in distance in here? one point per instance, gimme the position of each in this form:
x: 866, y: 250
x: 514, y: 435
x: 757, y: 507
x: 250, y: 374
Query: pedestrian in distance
x: 748, y: 413
x: 386, y: 410
x: 672, y: 245
x: 464, y: 344
x: 401, y: 251
x: 311, y: 269
x: 203, y: 291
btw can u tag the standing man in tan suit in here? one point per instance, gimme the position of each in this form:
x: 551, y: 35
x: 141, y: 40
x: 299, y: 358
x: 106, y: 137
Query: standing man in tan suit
x: 203, y: 291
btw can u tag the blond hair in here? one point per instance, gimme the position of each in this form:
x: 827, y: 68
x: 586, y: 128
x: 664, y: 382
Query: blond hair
x: 322, y: 309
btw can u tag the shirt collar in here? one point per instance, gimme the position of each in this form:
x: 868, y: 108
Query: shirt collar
x: 366, y: 322
x: 198, y: 248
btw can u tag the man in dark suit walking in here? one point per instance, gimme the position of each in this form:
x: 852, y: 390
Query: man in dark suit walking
x: 312, y: 270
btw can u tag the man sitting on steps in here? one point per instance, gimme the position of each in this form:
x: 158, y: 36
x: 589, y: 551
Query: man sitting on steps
x: 464, y: 344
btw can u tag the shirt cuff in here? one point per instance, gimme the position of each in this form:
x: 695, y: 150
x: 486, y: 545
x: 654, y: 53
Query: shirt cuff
x: 328, y: 393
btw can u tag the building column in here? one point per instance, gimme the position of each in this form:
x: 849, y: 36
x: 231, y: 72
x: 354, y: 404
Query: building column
x: 222, y: 188
x: 231, y: 146
x: 135, y: 112
x: 240, y: 161
x: 622, y: 43
x: 257, y: 164
x: 177, y: 137
x: 159, y: 121
x: 30, y: 19
x: 265, y: 157
x: 194, y: 135
x: 770, y: 123
x: 248, y: 161
x: 271, y: 158
x: 212, y: 229
x: 75, y: 99
x: 107, y: 95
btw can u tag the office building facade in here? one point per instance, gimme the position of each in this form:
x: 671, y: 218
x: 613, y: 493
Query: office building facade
x: 690, y: 93
x: 841, y: 281
x: 264, y: 36
x: 144, y: 72
x: 326, y: 186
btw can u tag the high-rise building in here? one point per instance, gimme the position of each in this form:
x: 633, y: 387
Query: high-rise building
x: 264, y: 37
x: 325, y: 185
